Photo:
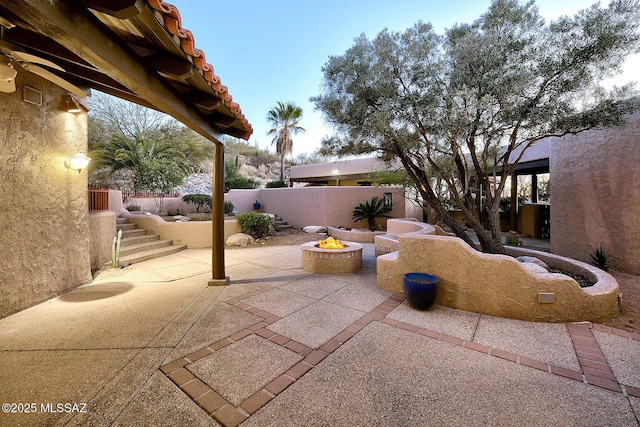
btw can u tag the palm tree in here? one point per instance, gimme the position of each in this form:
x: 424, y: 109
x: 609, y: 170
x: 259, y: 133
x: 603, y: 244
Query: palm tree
x: 284, y: 120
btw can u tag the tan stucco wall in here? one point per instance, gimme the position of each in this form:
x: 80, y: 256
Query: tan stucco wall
x: 496, y: 285
x: 44, y: 225
x: 595, y: 194
x: 102, y: 230
x: 194, y: 234
x: 328, y: 206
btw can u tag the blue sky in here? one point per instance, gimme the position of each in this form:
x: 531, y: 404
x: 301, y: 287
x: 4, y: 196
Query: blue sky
x: 270, y: 51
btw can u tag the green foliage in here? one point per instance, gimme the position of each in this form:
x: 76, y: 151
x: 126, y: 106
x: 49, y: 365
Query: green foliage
x: 285, y: 122
x: 276, y: 184
x: 199, y: 201
x: 228, y: 207
x: 233, y: 179
x: 134, y: 208
x: 456, y: 106
x: 255, y: 224
x: 239, y: 182
x: 512, y: 239
x: 370, y: 210
x: 159, y: 177
x: 600, y: 258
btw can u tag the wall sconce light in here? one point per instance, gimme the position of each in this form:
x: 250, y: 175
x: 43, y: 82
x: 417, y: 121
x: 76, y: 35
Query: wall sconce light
x: 77, y: 162
x: 71, y: 105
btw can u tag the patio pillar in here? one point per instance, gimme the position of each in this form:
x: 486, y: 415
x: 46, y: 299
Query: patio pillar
x: 217, y: 221
x: 513, y: 210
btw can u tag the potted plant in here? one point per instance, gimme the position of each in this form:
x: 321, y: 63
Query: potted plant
x: 420, y: 289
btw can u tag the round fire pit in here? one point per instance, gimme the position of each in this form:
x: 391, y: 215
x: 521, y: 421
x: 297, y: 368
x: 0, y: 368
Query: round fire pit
x: 331, y: 261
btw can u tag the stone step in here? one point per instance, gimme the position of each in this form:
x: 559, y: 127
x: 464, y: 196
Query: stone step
x: 126, y: 250
x: 126, y: 226
x: 283, y: 227
x: 138, y: 239
x: 150, y: 254
x: 121, y: 220
x: 134, y: 232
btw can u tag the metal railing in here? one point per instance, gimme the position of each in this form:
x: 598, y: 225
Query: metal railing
x: 98, y: 199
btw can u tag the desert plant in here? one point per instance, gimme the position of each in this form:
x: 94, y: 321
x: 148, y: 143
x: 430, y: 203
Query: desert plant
x: 370, y: 210
x: 600, y: 258
x: 255, y: 224
x: 276, y: 184
x: 115, y: 250
x: 512, y: 239
x: 228, y: 207
x: 199, y: 201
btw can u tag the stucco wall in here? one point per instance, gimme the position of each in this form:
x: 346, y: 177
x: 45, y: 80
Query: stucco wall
x: 194, y: 234
x: 328, y: 206
x: 496, y: 285
x: 44, y: 224
x: 595, y: 195
x: 102, y: 230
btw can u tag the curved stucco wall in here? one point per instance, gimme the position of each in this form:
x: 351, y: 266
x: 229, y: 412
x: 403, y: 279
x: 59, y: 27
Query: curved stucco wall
x: 595, y: 195
x: 194, y: 234
x: 43, y: 206
x: 496, y: 285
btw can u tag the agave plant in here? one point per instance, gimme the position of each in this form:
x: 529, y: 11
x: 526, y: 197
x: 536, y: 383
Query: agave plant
x: 370, y: 210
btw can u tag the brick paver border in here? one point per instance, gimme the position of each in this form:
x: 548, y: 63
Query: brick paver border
x: 594, y: 371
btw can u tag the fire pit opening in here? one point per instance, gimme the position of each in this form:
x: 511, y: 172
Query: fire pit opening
x: 337, y: 258
x: 331, y: 243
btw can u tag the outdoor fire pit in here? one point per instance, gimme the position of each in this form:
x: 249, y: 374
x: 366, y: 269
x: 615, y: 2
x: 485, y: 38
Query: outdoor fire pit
x: 331, y: 256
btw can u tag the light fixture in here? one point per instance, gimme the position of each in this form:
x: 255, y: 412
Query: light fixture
x: 77, y: 162
x: 7, y: 72
x: 71, y: 105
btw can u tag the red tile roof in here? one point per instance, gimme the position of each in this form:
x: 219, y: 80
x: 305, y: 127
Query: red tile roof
x: 173, y: 23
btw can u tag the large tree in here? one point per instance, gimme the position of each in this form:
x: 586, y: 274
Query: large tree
x: 455, y: 107
x: 285, y: 122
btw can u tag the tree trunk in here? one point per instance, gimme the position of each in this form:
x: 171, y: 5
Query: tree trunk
x: 282, y: 168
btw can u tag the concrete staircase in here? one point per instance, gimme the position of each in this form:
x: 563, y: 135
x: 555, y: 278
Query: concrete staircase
x: 281, y: 224
x: 139, y: 244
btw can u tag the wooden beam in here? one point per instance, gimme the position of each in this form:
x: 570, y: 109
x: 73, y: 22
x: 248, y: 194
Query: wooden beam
x: 75, y: 28
x: 177, y: 68
x: 121, y: 9
x: 205, y: 101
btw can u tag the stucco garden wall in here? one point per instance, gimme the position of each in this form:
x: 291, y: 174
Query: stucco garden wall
x: 595, y: 195
x: 328, y: 206
x: 496, y: 285
x: 194, y: 234
x: 44, y: 220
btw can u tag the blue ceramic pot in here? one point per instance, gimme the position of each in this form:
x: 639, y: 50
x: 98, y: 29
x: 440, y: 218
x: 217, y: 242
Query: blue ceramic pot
x: 420, y: 289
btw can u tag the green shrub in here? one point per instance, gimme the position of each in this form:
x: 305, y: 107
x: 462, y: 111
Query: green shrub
x: 134, y: 208
x: 239, y: 182
x: 255, y: 224
x: 276, y: 184
x: 228, y: 208
x: 199, y: 201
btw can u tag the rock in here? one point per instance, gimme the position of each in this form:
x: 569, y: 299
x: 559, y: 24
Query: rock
x: 314, y: 229
x: 534, y: 268
x: 533, y: 260
x: 240, y: 239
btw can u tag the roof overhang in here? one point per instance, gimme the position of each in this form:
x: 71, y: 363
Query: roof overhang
x: 135, y: 50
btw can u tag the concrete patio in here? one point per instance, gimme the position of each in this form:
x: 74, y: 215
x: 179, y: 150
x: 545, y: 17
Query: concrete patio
x: 153, y: 345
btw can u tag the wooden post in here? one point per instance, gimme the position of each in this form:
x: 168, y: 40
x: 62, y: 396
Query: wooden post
x: 217, y: 221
